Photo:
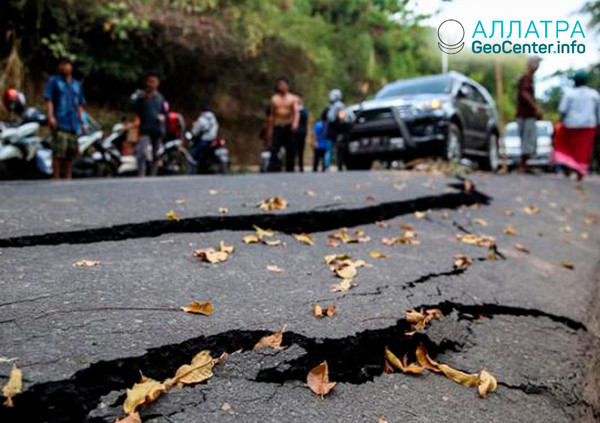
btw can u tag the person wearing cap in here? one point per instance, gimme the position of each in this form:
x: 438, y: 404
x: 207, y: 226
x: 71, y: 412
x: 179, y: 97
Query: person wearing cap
x: 580, y: 115
x: 65, y: 104
x: 528, y: 112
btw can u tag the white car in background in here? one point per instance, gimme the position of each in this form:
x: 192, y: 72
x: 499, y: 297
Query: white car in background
x: 511, y: 144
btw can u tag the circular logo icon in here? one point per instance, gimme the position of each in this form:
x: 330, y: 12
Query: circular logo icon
x: 451, y: 34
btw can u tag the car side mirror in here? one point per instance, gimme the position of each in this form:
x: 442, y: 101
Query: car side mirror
x: 463, y: 92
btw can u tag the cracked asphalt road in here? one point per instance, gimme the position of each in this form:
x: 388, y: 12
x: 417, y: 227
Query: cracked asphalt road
x: 82, y: 335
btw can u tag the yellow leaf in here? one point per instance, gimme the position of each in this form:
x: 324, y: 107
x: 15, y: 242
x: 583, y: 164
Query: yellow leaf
x: 172, y: 215
x: 462, y: 262
x: 251, y: 239
x: 479, y: 221
x: 223, y: 210
x: 330, y: 258
x: 273, y: 203
x: 420, y: 215
x: 225, y: 248
x: 508, y: 213
x: 320, y: 312
x: 487, y: 383
x: 345, y: 269
x: 318, y: 380
x: 14, y: 385
x: 531, y: 210
x: 87, y: 263
x: 273, y: 268
x: 402, y: 366
x: 132, y: 418
x: 377, y: 255
x: 274, y: 340
x: 199, y: 370
x: 199, y: 307
x: 510, y: 230
x: 425, y: 361
x: 274, y: 243
x: 144, y: 392
x: 466, y: 379
x: 521, y: 248
x: 210, y: 255
x: 305, y: 238
x: 263, y: 233
x: 343, y: 286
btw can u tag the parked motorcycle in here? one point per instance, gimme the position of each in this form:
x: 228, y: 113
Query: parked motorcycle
x: 23, y: 153
x: 175, y: 158
x: 210, y: 157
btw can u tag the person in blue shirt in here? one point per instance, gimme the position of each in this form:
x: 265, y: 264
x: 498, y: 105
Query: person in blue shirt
x: 65, y: 103
x: 321, y: 143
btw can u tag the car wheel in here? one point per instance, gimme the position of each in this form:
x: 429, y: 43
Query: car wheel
x: 492, y: 158
x: 452, y: 148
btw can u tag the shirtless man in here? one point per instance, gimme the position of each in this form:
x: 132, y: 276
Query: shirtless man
x: 283, y: 123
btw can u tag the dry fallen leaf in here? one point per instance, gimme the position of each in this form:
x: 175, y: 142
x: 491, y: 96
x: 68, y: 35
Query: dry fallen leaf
x: 310, y: 193
x: 13, y: 387
x: 510, y: 230
x: 343, y: 236
x: 319, y: 312
x: 399, y: 187
x: 420, y: 319
x: 345, y: 269
x: 590, y: 220
x: 223, y: 210
x: 305, y: 238
x: 487, y: 383
x: 479, y: 221
x: 275, y: 269
x: 461, y: 262
x: 343, y: 286
x: 144, y: 392
x: 521, y: 248
x: 132, y: 418
x: 420, y: 215
x: 479, y: 240
x: 273, y: 341
x: 87, y: 263
x: 567, y: 265
x: 213, y: 191
x: 225, y: 248
x: 199, y: 307
x: 172, y: 215
x: 377, y: 255
x: 403, y: 365
x: 584, y: 235
x: 531, y: 210
x: 199, y: 370
x: 382, y: 224
x: 318, y: 380
x: 508, y: 213
x: 273, y: 203
x: 251, y: 239
x: 425, y: 361
x: 263, y: 233
x: 210, y: 255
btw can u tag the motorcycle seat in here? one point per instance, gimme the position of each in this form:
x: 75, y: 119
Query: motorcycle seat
x: 20, y: 131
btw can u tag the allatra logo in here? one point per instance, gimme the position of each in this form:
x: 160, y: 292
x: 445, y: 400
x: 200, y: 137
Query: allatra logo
x: 451, y: 34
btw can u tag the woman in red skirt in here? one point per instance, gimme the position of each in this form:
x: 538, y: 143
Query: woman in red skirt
x: 574, y: 136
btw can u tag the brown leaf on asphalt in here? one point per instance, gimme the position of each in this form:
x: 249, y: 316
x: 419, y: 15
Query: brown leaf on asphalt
x: 382, y: 224
x: 345, y: 237
x: 406, y: 227
x: 479, y: 221
x: 487, y: 383
x: 510, y: 230
x: 420, y: 215
x: 466, y: 379
x: 461, y: 262
x: 343, y: 286
x: 273, y: 203
x: 332, y: 243
x: 274, y: 243
x: 144, y: 392
x: 531, y: 210
x: 521, y: 248
x: 420, y: 319
x: 132, y: 418
x: 508, y: 213
x: 273, y: 341
x: 87, y: 263
x: 13, y: 387
x: 330, y: 258
x: 225, y: 248
x: 403, y: 365
x: 567, y: 265
x: 400, y: 187
x: 199, y: 307
x: 275, y: 269
x: 223, y: 210
x: 310, y: 193
x: 180, y: 201
x: 199, y: 370
x: 479, y: 240
x: 172, y: 215
x: 377, y: 255
x: 210, y: 255
x: 584, y: 235
x: 319, y: 312
x: 345, y: 269
x: 590, y: 220
x: 566, y: 229
x: 318, y: 380
x: 426, y: 361
x: 305, y: 239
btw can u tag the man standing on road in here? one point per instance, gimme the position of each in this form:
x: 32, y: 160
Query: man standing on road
x: 283, y: 123
x: 528, y: 112
x: 151, y: 110
x: 338, y: 124
x: 65, y: 103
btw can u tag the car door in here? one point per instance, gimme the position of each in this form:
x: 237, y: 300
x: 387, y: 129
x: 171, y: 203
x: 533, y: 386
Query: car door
x: 482, y: 113
x: 467, y: 109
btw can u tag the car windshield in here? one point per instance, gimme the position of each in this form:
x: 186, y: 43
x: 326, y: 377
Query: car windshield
x: 432, y: 85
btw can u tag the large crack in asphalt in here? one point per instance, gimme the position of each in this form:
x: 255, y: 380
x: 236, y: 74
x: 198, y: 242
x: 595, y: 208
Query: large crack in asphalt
x: 353, y: 359
x: 295, y: 222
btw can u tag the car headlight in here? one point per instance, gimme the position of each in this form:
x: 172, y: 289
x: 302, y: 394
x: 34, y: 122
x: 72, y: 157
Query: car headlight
x: 429, y: 105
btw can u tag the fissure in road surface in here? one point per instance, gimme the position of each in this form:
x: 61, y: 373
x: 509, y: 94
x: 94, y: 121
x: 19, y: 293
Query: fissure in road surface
x: 353, y: 359
x: 296, y: 222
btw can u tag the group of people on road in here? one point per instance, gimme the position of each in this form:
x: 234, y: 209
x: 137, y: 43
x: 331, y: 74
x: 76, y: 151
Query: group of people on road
x: 154, y: 121
x: 574, y: 135
x: 287, y: 128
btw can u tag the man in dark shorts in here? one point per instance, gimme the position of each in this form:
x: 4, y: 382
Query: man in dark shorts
x: 528, y: 112
x: 151, y: 110
x: 283, y: 123
x: 65, y: 104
